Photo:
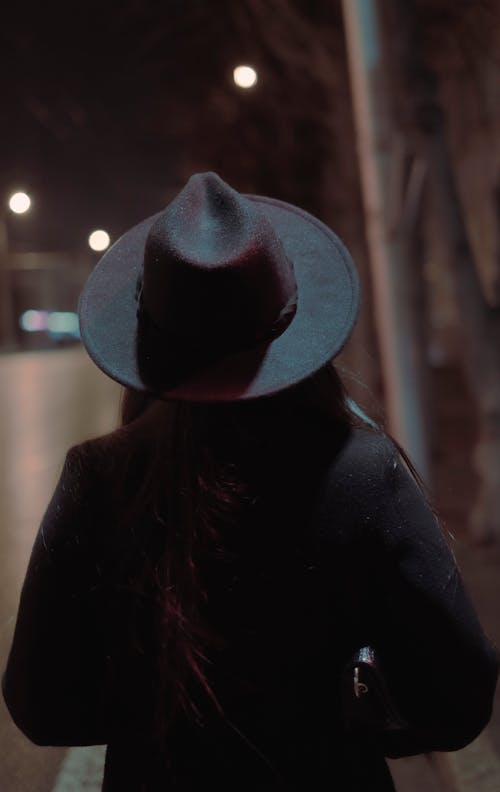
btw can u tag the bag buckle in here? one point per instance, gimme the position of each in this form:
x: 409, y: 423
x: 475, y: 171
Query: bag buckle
x: 359, y: 687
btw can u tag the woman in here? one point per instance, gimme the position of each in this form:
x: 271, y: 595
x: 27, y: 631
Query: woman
x: 204, y: 574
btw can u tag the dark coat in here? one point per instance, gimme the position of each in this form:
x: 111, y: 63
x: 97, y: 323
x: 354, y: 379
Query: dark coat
x: 341, y: 551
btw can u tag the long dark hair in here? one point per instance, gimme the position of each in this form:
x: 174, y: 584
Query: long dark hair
x: 193, y: 483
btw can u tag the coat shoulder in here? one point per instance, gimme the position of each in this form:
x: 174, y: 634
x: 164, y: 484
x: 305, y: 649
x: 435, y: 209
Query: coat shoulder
x: 363, y: 461
x: 106, y: 453
x: 95, y: 451
x: 354, y: 486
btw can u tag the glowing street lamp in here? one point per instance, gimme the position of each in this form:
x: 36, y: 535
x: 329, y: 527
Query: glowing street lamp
x: 99, y: 240
x: 19, y: 202
x: 244, y: 76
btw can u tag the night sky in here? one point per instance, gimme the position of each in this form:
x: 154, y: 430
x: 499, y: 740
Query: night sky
x: 99, y: 106
x: 109, y: 107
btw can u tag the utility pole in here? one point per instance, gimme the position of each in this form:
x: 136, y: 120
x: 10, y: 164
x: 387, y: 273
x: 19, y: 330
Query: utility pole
x: 391, y: 208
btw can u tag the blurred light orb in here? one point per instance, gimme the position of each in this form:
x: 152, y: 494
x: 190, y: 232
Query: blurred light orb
x: 19, y: 202
x: 60, y: 322
x: 99, y: 240
x: 244, y: 76
x: 32, y: 320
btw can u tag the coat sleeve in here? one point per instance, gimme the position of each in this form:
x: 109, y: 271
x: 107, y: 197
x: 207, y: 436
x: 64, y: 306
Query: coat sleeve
x: 54, y: 682
x: 441, y: 667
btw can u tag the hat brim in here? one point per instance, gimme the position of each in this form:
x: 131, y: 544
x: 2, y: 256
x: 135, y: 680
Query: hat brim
x: 328, y: 304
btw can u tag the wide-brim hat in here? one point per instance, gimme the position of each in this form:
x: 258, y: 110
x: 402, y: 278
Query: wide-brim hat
x: 219, y: 297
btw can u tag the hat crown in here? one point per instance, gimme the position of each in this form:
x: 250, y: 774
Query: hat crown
x: 215, y: 271
x: 207, y: 224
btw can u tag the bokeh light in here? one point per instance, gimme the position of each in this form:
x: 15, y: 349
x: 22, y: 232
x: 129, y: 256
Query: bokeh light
x: 19, y: 202
x: 32, y: 320
x: 99, y: 240
x: 244, y: 76
x: 55, y: 323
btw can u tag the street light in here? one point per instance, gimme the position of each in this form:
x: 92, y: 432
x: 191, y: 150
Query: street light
x: 99, y: 240
x: 244, y: 76
x: 19, y: 202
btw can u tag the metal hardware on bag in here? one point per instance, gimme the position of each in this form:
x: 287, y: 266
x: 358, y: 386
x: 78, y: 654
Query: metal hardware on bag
x: 359, y: 687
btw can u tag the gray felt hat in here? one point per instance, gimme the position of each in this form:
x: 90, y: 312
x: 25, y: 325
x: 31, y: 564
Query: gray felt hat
x: 219, y: 297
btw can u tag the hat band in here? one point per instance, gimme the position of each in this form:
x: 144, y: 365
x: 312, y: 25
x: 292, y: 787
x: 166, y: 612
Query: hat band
x: 231, y: 342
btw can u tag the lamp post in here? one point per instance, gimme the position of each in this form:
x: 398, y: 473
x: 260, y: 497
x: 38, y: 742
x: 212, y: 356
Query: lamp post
x: 18, y: 203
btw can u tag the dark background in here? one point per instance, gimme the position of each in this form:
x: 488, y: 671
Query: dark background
x: 107, y: 108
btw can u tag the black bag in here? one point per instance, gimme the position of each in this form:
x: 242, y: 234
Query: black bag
x: 367, y: 705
